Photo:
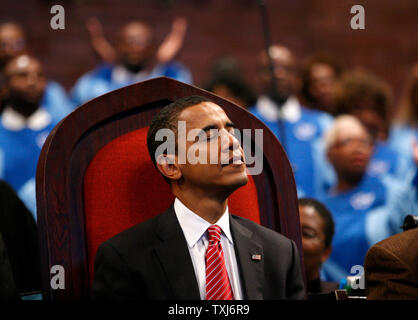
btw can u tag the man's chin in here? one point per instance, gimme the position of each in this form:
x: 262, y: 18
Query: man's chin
x: 244, y: 180
x: 135, y: 66
x: 238, y: 183
x: 354, y: 176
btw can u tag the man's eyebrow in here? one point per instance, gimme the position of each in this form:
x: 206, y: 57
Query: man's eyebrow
x: 209, y: 127
x: 229, y: 124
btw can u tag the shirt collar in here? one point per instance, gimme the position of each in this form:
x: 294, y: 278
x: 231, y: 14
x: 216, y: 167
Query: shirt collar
x: 14, y: 121
x: 269, y: 110
x: 122, y: 75
x: 194, y: 226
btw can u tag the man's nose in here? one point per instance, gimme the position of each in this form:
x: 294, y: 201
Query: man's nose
x: 32, y: 78
x: 228, y: 140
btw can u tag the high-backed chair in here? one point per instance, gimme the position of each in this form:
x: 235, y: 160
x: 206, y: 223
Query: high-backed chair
x: 96, y: 179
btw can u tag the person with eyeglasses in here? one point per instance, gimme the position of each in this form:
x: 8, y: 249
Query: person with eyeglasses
x: 366, y: 209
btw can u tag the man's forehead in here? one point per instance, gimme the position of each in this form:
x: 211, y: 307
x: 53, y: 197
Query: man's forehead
x: 351, y: 130
x: 22, y: 63
x: 321, y: 70
x: 281, y: 55
x: 134, y: 30
x: 203, y: 112
x: 10, y: 31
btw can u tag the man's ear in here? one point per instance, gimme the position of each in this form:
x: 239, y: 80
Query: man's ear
x: 168, y: 166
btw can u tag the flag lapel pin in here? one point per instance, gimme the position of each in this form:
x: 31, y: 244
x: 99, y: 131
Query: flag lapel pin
x: 256, y: 257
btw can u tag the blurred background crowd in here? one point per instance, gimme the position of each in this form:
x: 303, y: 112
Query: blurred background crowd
x: 345, y: 105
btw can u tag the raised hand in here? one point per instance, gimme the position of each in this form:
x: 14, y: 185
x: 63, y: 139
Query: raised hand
x: 100, y: 45
x: 173, y: 41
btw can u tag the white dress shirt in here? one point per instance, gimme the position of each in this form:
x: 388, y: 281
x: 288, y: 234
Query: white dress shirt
x: 195, y: 231
x: 291, y: 109
x: 14, y: 121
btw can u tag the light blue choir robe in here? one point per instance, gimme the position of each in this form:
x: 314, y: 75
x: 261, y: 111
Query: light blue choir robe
x: 304, y: 146
x: 20, y: 147
x: 107, y: 77
x: 371, y: 212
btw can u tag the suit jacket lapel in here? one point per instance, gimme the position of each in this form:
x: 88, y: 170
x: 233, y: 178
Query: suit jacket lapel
x: 175, y: 257
x: 248, y: 250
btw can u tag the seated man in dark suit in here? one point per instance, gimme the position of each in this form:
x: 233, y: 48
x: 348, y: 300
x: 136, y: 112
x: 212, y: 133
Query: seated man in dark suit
x: 197, y: 249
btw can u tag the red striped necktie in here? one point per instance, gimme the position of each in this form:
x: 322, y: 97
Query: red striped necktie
x: 217, y: 281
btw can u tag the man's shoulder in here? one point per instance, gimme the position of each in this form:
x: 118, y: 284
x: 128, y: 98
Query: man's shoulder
x: 396, y: 254
x: 320, y: 118
x: 100, y: 77
x: 399, y: 243
x: 102, y: 71
x: 266, y: 235
x: 136, y: 238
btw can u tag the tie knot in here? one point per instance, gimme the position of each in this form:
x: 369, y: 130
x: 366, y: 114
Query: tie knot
x: 214, y: 233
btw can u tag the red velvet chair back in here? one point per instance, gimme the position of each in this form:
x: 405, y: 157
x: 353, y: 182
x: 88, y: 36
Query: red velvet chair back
x: 122, y: 188
x: 95, y: 179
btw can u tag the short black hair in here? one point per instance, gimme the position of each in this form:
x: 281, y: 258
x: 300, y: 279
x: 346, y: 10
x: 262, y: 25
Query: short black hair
x: 325, y: 214
x: 236, y: 86
x: 167, y: 119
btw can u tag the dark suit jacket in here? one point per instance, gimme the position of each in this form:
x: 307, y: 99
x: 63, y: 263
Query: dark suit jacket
x: 20, y: 235
x: 8, y: 290
x: 391, y: 267
x: 151, y: 261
